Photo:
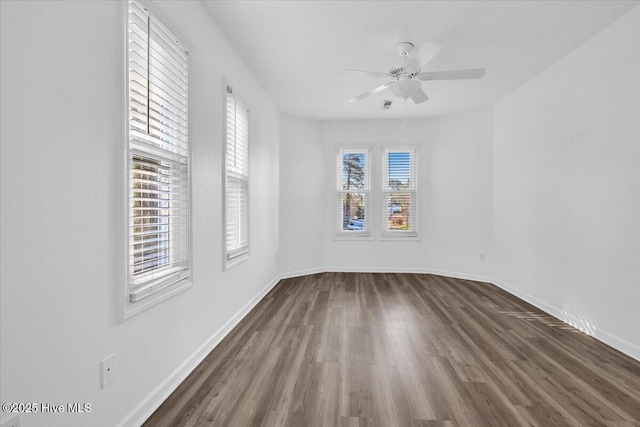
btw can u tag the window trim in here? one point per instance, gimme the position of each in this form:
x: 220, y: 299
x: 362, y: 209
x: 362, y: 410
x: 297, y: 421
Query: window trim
x: 397, y: 235
x: 242, y: 256
x: 166, y: 286
x: 368, y: 233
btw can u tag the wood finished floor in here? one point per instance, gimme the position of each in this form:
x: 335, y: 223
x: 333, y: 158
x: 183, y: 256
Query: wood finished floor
x: 358, y: 349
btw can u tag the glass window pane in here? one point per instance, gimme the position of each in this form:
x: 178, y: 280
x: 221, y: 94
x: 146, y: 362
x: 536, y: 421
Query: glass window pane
x: 353, y: 171
x: 398, y: 170
x: 151, y: 234
x: 353, y: 212
x: 237, y: 214
x: 398, y: 208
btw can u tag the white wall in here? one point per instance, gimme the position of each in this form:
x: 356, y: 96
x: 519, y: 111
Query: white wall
x: 302, y: 174
x: 567, y: 187
x: 455, y: 193
x: 564, y: 194
x: 62, y: 121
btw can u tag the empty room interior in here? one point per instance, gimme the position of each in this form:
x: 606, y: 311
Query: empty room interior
x: 320, y: 213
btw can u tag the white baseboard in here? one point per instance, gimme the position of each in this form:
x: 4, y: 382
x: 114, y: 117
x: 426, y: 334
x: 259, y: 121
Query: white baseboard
x: 464, y: 276
x: 608, y: 338
x: 538, y: 303
x: 298, y: 273
x: 619, y: 344
x: 149, y: 404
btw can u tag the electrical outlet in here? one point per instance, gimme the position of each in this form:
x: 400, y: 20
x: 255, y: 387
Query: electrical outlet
x: 13, y: 421
x: 482, y: 257
x: 108, y: 370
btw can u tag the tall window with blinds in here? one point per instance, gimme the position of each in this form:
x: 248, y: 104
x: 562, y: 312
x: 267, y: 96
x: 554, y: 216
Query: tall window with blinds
x: 158, y: 161
x: 399, y: 192
x: 236, y: 181
x: 353, y: 193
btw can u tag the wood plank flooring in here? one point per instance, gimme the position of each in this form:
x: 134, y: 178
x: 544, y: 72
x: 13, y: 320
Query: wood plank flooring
x: 359, y: 349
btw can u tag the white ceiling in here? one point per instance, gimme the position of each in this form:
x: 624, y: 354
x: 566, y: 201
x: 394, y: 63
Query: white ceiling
x: 296, y: 48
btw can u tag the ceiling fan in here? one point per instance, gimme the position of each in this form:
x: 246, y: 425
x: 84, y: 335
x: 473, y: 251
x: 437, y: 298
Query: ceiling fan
x: 407, y: 80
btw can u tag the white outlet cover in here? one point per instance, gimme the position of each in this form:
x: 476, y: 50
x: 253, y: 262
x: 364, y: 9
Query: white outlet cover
x: 108, y: 368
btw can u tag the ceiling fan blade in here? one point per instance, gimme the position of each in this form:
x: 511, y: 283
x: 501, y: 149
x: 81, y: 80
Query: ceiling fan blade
x: 368, y: 73
x: 419, y: 97
x: 427, y: 52
x: 472, y: 73
x: 372, y: 91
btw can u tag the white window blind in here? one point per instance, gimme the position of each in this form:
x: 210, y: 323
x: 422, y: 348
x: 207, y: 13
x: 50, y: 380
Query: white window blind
x: 158, y: 158
x: 236, y: 179
x: 399, y: 192
x: 353, y: 192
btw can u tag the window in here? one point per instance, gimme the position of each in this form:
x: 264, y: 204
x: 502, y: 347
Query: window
x: 157, y: 162
x: 399, y: 192
x: 353, y: 193
x: 236, y: 181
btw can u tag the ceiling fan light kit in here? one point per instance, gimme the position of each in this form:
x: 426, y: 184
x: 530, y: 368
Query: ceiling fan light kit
x: 408, y: 79
x: 405, y: 88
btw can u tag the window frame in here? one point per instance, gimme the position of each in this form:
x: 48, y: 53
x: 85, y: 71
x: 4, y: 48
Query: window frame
x: 366, y: 233
x: 413, y: 232
x: 242, y: 255
x: 168, y: 284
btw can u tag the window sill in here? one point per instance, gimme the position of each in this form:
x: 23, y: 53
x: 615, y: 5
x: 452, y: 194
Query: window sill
x: 411, y: 237
x: 133, y: 308
x: 353, y: 236
x: 235, y: 261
